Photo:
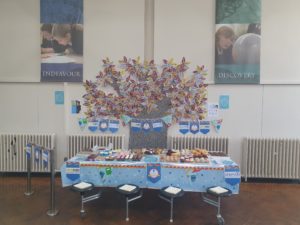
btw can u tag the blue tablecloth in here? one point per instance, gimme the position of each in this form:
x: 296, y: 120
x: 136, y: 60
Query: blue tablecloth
x: 220, y: 171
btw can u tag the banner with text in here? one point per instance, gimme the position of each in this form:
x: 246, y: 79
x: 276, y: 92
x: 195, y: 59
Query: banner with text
x: 61, y: 40
x: 237, y: 41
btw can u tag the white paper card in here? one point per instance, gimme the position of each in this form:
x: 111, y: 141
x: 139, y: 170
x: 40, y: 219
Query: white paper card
x: 173, y: 190
x: 82, y: 185
x: 218, y: 190
x: 127, y: 187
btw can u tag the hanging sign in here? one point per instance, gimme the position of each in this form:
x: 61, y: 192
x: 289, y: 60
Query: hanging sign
x: 136, y: 125
x: 126, y: 119
x: 45, y: 157
x: 114, y: 126
x: 167, y: 120
x: 37, y: 152
x: 237, y: 42
x: 204, y: 126
x: 103, y: 125
x: 157, y: 125
x: 93, y: 126
x: 61, y: 40
x: 28, y: 151
x: 194, y: 127
x: 146, y: 125
x: 184, y: 127
x: 82, y: 122
x: 217, y: 124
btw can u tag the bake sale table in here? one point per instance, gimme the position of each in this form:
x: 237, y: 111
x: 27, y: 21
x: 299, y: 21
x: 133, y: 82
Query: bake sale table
x: 151, y: 173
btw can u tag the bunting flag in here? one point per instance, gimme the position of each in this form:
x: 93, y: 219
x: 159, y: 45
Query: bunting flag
x: 93, y: 126
x: 103, y: 125
x: 126, y: 119
x: 204, y: 126
x: 217, y: 124
x: 194, y: 127
x: 45, y: 158
x: 136, y: 125
x: 157, y: 125
x: 37, y: 152
x: 184, y: 127
x: 82, y: 122
x: 146, y: 125
x: 114, y: 126
x: 28, y: 151
x: 167, y: 120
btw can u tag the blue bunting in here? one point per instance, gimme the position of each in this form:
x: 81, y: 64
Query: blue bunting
x: 103, y: 125
x: 184, y: 127
x: 114, y: 126
x: 194, y: 127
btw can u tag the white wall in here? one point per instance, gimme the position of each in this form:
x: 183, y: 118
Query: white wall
x: 182, y: 28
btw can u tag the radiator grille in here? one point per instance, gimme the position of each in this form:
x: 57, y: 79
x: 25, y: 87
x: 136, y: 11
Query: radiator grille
x: 212, y: 144
x: 12, y: 153
x: 271, y: 158
x: 77, y: 143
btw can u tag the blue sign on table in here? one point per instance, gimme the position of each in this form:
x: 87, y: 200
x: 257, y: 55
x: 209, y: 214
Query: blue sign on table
x: 232, y: 175
x: 73, y: 170
x: 153, y: 172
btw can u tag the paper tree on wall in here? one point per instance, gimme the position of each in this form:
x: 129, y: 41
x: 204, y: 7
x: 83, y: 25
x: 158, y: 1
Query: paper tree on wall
x: 138, y: 88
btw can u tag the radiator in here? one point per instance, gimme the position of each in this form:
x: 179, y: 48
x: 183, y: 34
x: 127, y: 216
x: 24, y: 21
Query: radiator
x: 271, y: 158
x: 212, y: 144
x: 13, y: 155
x: 77, y: 143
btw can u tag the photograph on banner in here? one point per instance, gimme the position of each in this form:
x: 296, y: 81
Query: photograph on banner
x: 61, y: 38
x: 237, y: 42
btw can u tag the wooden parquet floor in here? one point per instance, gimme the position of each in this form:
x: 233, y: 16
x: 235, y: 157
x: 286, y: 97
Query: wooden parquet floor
x: 257, y: 204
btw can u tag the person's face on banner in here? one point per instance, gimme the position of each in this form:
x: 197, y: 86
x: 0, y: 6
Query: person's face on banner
x: 225, y: 42
x: 47, y: 35
x: 64, y: 40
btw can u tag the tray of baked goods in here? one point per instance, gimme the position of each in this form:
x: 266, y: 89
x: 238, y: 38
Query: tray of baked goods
x: 196, y: 155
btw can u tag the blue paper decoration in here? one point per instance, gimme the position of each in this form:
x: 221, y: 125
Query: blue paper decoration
x: 204, y: 126
x: 153, y: 172
x: 93, y: 126
x: 73, y: 171
x: 37, y: 152
x: 28, y: 151
x: 103, y: 125
x: 224, y: 101
x: 45, y: 157
x: 194, y: 127
x: 114, y: 126
x: 146, y: 125
x: 167, y: 119
x: 126, y: 119
x: 232, y: 175
x: 136, y: 125
x: 157, y: 125
x: 184, y: 127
